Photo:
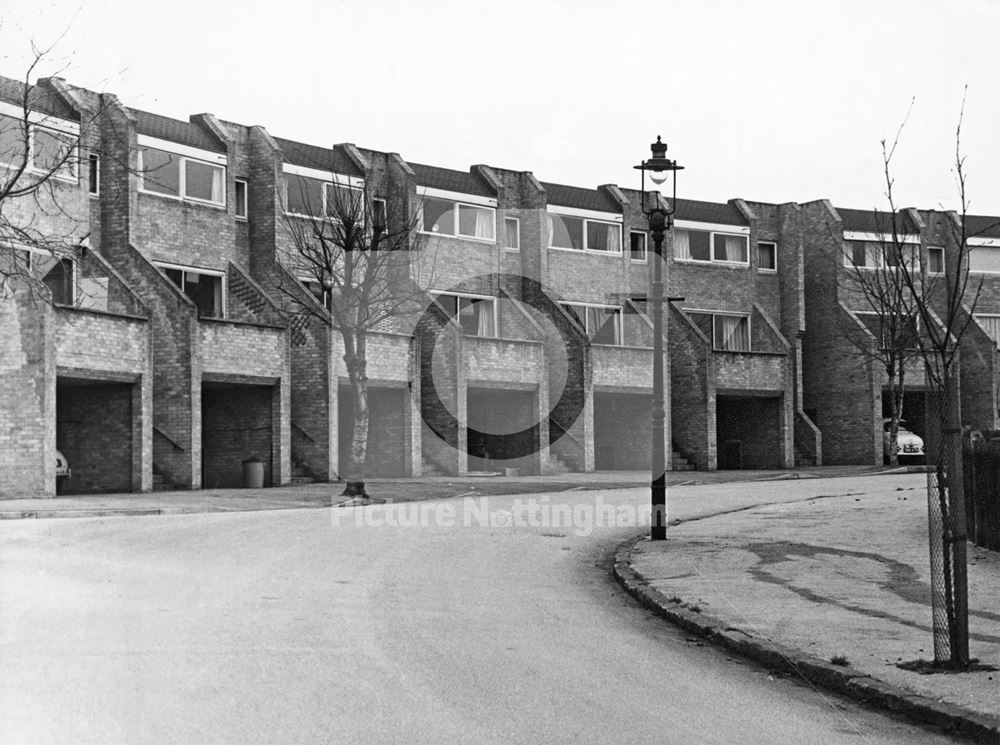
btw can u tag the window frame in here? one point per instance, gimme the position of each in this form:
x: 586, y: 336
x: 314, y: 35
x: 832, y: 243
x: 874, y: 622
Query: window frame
x: 30, y: 252
x: 241, y: 205
x: 881, y: 335
x: 774, y: 248
x: 619, y: 322
x: 435, y: 294
x: 457, y: 204
x: 716, y: 314
x: 712, y: 232
x: 187, y: 269
x: 517, y: 232
x: 941, y: 252
x: 68, y: 131
x: 878, y: 247
x: 645, y: 247
x: 94, y: 174
x: 182, y: 159
x: 585, y: 219
x: 977, y: 316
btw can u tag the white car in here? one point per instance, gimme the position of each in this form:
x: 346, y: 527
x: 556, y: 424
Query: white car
x: 910, y: 445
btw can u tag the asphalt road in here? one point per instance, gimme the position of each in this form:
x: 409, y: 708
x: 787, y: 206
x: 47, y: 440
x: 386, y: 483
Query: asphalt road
x: 316, y: 626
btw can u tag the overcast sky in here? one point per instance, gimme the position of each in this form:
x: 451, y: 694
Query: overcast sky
x: 775, y: 100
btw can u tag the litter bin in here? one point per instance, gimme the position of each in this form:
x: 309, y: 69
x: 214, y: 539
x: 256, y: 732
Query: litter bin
x: 253, y: 473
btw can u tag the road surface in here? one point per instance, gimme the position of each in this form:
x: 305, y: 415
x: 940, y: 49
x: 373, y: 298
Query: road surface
x: 383, y: 625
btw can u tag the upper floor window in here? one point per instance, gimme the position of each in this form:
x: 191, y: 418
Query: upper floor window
x: 637, y: 246
x: 241, y: 198
x: 990, y: 323
x: 984, y: 259
x: 313, y: 197
x: 49, y: 151
x: 94, y: 174
x: 446, y: 217
x: 512, y: 233
x: 707, y: 245
x: 476, y: 314
x: 173, y: 175
x: 893, y: 331
x: 935, y: 260
x: 729, y: 332
x: 579, y: 233
x: 57, y: 273
x: 602, y: 323
x: 767, y: 256
x: 875, y: 255
x: 204, y: 287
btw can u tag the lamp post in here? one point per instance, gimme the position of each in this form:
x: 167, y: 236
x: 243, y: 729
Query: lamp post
x: 660, y: 168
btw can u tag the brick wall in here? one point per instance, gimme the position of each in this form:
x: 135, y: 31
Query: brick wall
x: 236, y: 425
x: 692, y: 395
x: 27, y: 397
x: 94, y: 426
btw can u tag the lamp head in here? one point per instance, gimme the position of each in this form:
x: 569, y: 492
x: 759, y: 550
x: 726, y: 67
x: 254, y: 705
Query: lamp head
x: 659, y: 166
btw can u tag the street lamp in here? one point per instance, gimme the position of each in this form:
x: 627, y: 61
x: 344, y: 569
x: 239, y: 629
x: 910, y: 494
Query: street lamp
x: 661, y: 219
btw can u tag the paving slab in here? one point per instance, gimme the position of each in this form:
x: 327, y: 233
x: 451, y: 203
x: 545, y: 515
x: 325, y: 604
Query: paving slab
x: 835, y: 590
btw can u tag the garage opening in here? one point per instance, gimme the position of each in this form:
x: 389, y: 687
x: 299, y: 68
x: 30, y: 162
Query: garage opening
x: 388, y: 431
x: 621, y: 431
x: 94, y: 434
x: 237, y: 424
x: 748, y: 432
x: 501, y: 430
x: 914, y: 419
x: 914, y: 410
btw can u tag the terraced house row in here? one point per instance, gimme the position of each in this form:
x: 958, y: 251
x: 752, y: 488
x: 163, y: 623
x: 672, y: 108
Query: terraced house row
x: 157, y: 343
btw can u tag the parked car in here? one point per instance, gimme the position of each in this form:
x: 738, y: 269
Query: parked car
x: 911, y: 446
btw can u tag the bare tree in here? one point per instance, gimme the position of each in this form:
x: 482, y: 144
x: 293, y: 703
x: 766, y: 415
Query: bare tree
x: 873, y: 269
x: 357, y: 250
x: 945, y: 305
x: 40, y: 164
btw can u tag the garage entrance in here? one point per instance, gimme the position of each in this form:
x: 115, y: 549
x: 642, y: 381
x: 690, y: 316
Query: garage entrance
x: 501, y: 426
x: 388, y: 431
x: 237, y: 423
x: 621, y: 431
x: 94, y: 433
x: 748, y: 431
x: 914, y: 410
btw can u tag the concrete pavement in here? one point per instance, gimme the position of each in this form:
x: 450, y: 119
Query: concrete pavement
x: 300, y: 496
x: 834, y: 591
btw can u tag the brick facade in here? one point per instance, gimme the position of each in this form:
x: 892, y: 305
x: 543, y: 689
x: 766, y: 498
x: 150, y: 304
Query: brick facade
x: 191, y: 383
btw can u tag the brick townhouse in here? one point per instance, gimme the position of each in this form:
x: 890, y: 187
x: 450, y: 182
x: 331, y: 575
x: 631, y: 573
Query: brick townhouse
x: 159, y: 347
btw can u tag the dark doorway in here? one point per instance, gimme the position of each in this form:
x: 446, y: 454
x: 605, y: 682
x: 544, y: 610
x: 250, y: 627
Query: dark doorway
x: 237, y: 424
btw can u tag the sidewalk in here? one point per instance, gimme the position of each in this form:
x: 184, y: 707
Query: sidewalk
x: 841, y: 578
x: 395, y: 490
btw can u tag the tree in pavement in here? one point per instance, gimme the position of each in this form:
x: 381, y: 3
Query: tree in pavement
x: 357, y: 250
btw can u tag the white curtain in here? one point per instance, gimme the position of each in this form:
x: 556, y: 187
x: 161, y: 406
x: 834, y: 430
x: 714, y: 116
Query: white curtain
x: 736, y: 248
x: 484, y: 311
x: 484, y: 224
x: 614, y: 239
x: 682, y: 245
x: 734, y: 333
x: 217, y: 174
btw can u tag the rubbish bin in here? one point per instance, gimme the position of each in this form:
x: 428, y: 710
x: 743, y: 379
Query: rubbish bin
x: 253, y: 473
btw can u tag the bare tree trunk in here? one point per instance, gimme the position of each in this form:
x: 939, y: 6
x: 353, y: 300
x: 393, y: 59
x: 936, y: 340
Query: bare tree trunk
x: 955, y: 535
x: 895, y: 413
x: 357, y: 366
